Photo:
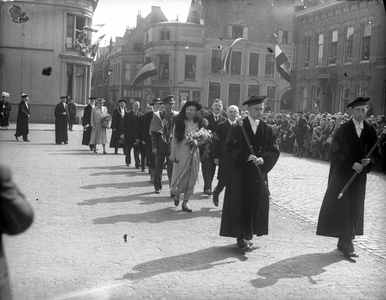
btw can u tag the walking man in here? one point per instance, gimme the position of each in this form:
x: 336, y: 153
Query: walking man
x: 343, y: 218
x: 23, y: 115
x: 61, y: 117
x: 220, y: 158
x: 246, y: 201
x: 86, y: 123
x: 116, y: 126
x: 71, y: 112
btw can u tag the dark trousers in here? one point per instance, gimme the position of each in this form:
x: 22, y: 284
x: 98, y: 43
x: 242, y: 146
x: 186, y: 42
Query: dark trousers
x: 159, y: 165
x: 208, y: 169
x: 136, y: 154
x: 71, y: 122
x: 143, y: 156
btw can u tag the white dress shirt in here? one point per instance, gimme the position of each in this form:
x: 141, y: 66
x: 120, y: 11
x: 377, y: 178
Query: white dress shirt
x: 254, y: 124
x: 358, y: 127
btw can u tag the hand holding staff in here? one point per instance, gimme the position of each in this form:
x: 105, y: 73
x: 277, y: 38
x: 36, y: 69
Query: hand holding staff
x: 364, y: 162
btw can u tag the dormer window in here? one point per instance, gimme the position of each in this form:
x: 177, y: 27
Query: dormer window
x: 237, y: 31
x: 165, y: 35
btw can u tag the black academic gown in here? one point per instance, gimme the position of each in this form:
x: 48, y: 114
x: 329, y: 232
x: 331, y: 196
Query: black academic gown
x: 246, y: 204
x: 116, y: 123
x: 87, y: 121
x: 22, y: 119
x: 61, y: 123
x: 222, y: 131
x: 343, y: 218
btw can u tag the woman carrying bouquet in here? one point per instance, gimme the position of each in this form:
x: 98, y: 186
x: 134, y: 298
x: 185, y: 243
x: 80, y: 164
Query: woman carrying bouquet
x: 99, y: 122
x: 187, y: 137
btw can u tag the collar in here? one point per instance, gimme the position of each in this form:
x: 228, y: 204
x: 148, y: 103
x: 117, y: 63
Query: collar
x: 254, y: 123
x: 230, y: 122
x: 357, y: 124
x: 216, y: 116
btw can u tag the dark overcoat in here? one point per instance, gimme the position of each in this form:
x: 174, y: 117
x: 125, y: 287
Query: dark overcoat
x: 129, y: 127
x: 212, y: 126
x: 246, y: 204
x: 87, y: 121
x: 116, y: 123
x: 222, y: 131
x: 22, y: 119
x: 61, y: 123
x: 343, y: 217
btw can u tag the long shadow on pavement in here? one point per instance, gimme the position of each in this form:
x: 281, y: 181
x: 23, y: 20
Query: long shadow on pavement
x: 135, y: 197
x: 306, y: 265
x: 199, y: 260
x: 158, y: 216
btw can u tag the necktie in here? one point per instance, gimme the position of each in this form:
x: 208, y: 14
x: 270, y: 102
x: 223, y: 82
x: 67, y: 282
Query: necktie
x: 359, y: 129
x: 216, y: 118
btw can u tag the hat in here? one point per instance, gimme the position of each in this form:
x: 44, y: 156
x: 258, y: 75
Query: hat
x: 194, y: 103
x: 4, y: 94
x: 358, y: 101
x: 100, y: 100
x: 92, y: 98
x: 156, y: 100
x: 61, y: 97
x: 254, y: 100
x: 168, y: 99
x: 120, y: 101
x: 23, y: 95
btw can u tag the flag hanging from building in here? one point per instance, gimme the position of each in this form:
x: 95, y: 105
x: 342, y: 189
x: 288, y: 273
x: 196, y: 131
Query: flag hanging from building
x: 227, y: 58
x: 148, y: 70
x: 283, y: 64
x: 95, y: 46
x: 93, y: 28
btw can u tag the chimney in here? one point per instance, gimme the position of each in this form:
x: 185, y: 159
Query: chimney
x: 139, y: 18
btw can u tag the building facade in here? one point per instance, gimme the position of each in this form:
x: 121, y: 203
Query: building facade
x: 340, y: 54
x: 35, y: 35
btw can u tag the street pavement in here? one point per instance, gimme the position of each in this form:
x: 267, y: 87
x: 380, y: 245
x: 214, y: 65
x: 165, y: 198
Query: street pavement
x: 100, y: 232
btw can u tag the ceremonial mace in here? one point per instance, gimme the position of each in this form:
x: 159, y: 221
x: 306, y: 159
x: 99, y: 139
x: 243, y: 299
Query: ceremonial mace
x: 356, y: 173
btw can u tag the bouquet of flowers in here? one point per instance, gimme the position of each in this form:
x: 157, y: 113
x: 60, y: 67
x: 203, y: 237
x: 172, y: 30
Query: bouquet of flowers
x: 197, y: 139
x: 105, y: 121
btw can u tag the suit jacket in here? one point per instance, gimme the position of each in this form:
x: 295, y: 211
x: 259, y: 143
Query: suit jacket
x: 161, y: 139
x: 212, y: 126
x: 219, y: 150
x: 130, y: 126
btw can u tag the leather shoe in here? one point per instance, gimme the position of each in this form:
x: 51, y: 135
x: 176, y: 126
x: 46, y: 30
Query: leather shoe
x: 26, y: 141
x: 176, y: 200
x: 185, y: 207
x: 207, y: 192
x: 157, y: 191
x: 215, y: 197
x: 17, y: 139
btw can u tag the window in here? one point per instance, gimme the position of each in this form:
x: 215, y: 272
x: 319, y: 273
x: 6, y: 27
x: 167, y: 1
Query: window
x: 165, y: 35
x: 307, y: 49
x: 254, y: 64
x: 237, y: 31
x: 269, y: 65
x: 214, y: 92
x: 284, y: 36
x: 235, y: 63
x: 344, y: 97
x: 76, y: 37
x: 333, y: 47
x: 366, y: 36
x: 190, y: 67
x: 316, y: 95
x: 138, y: 47
x: 361, y: 91
x: 253, y: 90
x: 196, y: 96
x: 77, y: 82
x: 348, y: 44
x: 304, y: 98
x: 319, y: 50
x: 164, y: 66
x: 271, y: 92
x: 234, y: 94
x: 216, y: 61
x: 127, y: 72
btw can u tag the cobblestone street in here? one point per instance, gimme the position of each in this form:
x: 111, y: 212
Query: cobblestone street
x: 86, y: 203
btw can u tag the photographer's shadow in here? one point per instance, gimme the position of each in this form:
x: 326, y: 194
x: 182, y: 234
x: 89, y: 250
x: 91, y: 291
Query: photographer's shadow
x: 307, y: 265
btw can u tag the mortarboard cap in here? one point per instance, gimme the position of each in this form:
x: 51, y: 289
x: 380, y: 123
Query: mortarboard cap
x: 254, y: 100
x: 358, y: 102
x: 168, y: 99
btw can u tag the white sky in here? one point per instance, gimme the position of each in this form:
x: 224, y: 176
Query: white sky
x: 117, y: 14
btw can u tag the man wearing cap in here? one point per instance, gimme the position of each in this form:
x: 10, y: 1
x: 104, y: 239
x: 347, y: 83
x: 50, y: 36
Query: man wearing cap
x: 246, y: 201
x: 343, y: 218
x: 161, y: 128
x: 129, y: 133
x: 61, y: 118
x: 116, y: 124
x: 86, y: 123
x: 23, y: 115
x: 207, y: 161
x: 71, y: 112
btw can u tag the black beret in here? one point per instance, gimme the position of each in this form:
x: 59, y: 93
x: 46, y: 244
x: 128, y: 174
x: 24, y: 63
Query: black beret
x: 92, y: 98
x: 254, y: 100
x: 120, y: 101
x: 61, y: 97
x: 358, y: 101
x: 168, y: 99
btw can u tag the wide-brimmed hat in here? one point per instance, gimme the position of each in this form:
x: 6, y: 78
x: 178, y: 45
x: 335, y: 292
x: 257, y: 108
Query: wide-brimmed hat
x: 61, y: 97
x: 194, y: 103
x: 120, y: 101
x: 23, y: 95
x: 358, y: 102
x: 100, y: 100
x: 156, y: 100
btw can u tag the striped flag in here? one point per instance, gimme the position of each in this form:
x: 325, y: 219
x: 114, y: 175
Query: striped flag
x: 148, y: 70
x: 95, y: 46
x: 282, y: 61
x: 93, y: 28
x: 227, y: 58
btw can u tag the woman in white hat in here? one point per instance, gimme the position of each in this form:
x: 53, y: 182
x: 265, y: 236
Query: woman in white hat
x: 99, y: 122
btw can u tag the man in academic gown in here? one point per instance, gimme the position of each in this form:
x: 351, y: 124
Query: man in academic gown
x: 116, y: 124
x: 220, y: 157
x: 61, y: 118
x: 207, y: 162
x: 343, y: 218
x: 23, y: 115
x: 246, y: 201
x: 86, y: 123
